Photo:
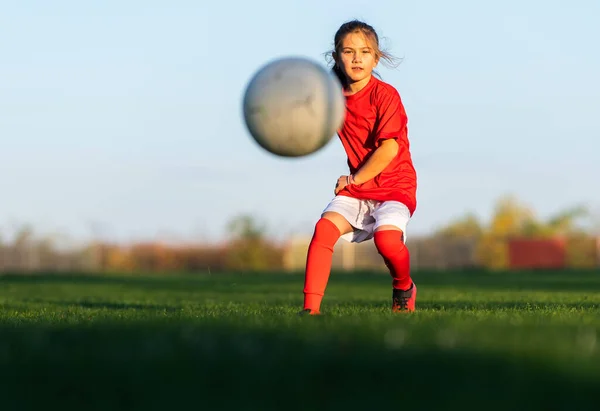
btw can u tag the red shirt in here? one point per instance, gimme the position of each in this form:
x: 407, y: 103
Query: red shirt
x: 374, y: 114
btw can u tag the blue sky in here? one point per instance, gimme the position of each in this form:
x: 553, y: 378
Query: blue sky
x: 122, y: 119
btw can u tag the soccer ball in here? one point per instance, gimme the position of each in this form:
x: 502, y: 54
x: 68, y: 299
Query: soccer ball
x: 293, y: 107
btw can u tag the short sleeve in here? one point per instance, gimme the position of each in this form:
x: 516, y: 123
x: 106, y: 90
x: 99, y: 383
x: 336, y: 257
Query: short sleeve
x: 392, y: 120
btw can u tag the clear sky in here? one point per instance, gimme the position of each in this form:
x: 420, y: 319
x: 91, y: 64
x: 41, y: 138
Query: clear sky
x: 122, y: 119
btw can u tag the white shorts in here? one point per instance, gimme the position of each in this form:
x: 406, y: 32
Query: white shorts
x: 366, y: 215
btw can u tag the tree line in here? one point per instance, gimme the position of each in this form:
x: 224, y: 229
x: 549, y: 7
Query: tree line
x: 249, y: 248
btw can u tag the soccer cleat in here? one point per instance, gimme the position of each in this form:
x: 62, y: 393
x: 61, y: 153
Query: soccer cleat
x: 404, y: 301
x: 308, y: 312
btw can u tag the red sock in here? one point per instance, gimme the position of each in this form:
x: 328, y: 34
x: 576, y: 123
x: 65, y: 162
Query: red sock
x: 395, y: 254
x: 318, y: 263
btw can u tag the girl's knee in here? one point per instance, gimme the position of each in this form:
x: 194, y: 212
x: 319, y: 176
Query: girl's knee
x: 338, y: 220
x: 326, y: 231
x: 389, y: 242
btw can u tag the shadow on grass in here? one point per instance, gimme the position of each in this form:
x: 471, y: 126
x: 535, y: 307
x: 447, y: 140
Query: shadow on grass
x: 154, y: 281
x: 113, y: 305
x: 225, y: 283
x: 213, y: 366
x: 108, y: 305
x: 575, y: 280
x: 370, y: 305
x: 506, y: 305
x: 566, y: 281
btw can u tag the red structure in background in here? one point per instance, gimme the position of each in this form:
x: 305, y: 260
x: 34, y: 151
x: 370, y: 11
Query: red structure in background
x: 531, y: 253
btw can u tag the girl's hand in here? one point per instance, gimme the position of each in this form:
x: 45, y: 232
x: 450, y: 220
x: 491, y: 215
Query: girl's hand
x: 342, y: 182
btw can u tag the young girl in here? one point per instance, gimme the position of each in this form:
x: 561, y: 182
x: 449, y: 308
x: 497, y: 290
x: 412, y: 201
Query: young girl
x: 378, y: 197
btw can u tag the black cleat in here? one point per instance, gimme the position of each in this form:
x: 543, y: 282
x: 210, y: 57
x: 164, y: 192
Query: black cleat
x: 404, y: 301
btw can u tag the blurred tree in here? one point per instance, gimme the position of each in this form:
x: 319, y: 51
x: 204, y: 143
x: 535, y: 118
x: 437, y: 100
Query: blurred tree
x: 594, y: 221
x: 467, y: 226
x: 117, y: 259
x: 23, y: 237
x: 22, y: 248
x: 510, y: 218
x: 565, y: 222
x: 249, y: 248
x: 582, y: 251
x: 152, y: 257
x: 48, y: 255
x: 246, y: 227
x: 513, y: 219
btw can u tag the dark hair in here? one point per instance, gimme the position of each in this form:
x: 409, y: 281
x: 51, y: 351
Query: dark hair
x: 356, y: 26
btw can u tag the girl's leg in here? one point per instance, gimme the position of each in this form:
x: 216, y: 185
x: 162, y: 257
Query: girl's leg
x: 392, y: 218
x: 390, y: 244
x: 328, y: 230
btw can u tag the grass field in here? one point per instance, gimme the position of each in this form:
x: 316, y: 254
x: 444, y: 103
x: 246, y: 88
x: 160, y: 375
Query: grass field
x: 478, y: 341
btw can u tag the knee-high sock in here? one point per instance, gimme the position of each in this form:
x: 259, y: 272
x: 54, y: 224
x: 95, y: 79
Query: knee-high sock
x: 318, y: 263
x: 391, y: 246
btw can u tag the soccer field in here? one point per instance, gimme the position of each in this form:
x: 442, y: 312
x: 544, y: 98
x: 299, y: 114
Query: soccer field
x: 227, y: 341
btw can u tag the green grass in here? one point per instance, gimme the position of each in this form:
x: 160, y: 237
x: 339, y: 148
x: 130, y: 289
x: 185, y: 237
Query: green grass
x: 478, y: 341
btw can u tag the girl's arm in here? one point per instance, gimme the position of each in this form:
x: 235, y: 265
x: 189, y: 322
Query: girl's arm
x: 378, y: 161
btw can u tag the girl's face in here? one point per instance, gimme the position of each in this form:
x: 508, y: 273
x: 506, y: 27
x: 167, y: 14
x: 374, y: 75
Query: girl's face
x: 356, y: 58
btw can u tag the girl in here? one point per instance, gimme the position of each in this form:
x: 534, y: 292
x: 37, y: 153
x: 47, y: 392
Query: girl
x: 378, y: 197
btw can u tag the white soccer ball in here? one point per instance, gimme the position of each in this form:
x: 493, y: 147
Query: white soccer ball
x: 293, y: 107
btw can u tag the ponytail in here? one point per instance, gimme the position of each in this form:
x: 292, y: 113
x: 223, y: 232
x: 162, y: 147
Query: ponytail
x: 340, y: 75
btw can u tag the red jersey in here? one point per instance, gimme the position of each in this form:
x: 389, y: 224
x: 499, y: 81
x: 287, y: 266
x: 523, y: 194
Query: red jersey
x: 374, y: 114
